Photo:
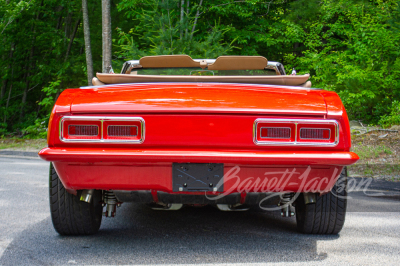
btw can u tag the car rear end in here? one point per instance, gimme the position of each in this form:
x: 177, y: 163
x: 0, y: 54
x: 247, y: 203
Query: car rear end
x: 194, y: 143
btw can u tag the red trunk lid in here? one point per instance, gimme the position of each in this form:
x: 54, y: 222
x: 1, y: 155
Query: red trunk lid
x: 199, y: 98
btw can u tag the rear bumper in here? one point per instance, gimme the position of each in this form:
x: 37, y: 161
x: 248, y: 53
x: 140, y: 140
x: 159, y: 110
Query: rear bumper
x: 179, y: 156
x: 151, y: 170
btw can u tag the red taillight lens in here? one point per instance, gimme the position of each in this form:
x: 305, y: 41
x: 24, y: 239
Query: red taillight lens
x: 77, y: 130
x: 102, y: 129
x: 275, y: 133
x: 271, y: 132
x: 83, y: 130
x: 122, y: 131
x: 315, y: 133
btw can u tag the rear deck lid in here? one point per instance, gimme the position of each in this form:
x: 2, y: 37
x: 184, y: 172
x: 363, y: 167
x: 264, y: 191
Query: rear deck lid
x: 199, y: 98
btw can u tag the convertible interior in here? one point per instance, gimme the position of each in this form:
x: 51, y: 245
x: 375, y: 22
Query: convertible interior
x: 182, y: 68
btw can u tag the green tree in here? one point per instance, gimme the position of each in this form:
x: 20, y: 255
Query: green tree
x: 350, y: 47
x: 160, y: 27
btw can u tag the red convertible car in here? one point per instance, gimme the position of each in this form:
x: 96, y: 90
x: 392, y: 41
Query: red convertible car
x: 171, y: 130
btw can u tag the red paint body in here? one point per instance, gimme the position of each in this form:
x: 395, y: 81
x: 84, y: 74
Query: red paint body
x: 197, y: 123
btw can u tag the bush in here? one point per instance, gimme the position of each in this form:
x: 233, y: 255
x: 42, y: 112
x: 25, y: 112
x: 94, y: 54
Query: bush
x: 353, y: 49
x: 393, y: 118
x: 3, y: 129
x: 36, y: 131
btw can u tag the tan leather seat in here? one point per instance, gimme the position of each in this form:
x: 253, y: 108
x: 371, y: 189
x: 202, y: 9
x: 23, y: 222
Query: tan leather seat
x: 97, y: 82
x: 307, y: 84
x: 239, y: 63
x: 164, y: 61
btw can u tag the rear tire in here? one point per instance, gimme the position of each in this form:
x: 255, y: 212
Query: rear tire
x: 327, y: 214
x: 69, y: 215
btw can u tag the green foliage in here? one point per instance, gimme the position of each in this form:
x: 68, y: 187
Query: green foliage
x: 349, y: 46
x: 11, y: 11
x: 393, y: 118
x: 159, y: 30
x: 353, y: 50
x: 3, y: 129
x: 36, y: 131
x: 35, y: 37
x: 50, y: 91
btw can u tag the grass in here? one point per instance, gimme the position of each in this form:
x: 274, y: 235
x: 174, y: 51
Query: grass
x: 386, y: 171
x: 22, y: 144
x: 372, y: 151
x: 364, y: 151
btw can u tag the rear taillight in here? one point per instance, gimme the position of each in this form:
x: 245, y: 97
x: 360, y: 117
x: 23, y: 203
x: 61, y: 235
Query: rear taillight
x: 123, y: 130
x: 83, y: 130
x: 275, y: 132
x: 315, y: 133
x: 80, y: 130
x: 296, y: 132
x: 325, y: 133
x: 102, y: 129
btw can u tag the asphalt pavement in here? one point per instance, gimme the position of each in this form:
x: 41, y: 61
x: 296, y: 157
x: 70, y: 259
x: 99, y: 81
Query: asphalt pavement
x: 193, y: 235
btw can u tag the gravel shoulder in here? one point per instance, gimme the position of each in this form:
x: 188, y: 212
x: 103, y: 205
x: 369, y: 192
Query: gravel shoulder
x: 379, y: 152
x: 18, y: 144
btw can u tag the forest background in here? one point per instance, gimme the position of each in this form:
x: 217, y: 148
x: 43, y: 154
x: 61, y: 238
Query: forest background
x: 348, y: 46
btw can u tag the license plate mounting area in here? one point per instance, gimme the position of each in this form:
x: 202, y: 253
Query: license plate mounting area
x: 194, y: 177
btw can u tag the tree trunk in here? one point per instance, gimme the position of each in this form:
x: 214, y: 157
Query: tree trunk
x: 5, y: 81
x: 71, y: 40
x: 106, y: 35
x: 38, y: 111
x: 9, y: 95
x: 295, y: 49
x: 59, y: 18
x: 66, y: 27
x: 182, y: 11
x: 30, y: 63
x: 24, y: 95
x: 195, y: 19
x: 3, y: 89
x: 88, y: 49
x: 58, y: 27
x: 187, y: 16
